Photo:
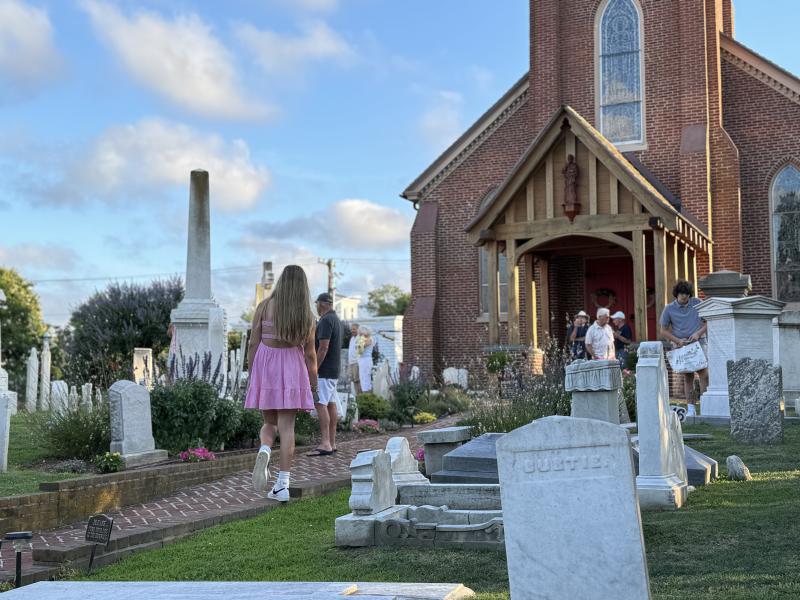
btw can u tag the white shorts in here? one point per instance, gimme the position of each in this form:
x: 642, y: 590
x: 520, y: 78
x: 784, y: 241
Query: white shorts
x: 326, y: 390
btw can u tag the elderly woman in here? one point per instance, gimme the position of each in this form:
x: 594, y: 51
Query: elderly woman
x: 364, y: 347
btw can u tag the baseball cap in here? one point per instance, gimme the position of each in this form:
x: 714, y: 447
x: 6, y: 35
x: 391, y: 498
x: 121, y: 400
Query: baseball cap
x: 325, y: 297
x: 618, y: 315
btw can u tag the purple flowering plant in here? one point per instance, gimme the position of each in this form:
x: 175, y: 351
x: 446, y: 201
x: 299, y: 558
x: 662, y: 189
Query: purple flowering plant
x: 197, y: 455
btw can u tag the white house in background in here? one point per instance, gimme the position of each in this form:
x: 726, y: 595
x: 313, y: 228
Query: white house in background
x: 388, y: 335
x: 347, y: 307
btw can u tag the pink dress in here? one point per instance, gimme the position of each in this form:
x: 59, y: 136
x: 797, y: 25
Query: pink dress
x: 278, y: 377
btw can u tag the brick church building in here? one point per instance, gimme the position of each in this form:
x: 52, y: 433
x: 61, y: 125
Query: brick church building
x: 644, y: 145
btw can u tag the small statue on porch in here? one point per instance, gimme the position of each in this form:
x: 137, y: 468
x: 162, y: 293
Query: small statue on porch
x: 571, y: 204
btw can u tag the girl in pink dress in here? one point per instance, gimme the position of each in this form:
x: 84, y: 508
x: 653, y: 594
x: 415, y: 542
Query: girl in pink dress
x: 283, y: 372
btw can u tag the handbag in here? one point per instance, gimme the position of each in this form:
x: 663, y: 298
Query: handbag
x: 688, y: 359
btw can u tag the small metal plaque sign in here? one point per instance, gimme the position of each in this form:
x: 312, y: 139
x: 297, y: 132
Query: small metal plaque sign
x: 98, y: 530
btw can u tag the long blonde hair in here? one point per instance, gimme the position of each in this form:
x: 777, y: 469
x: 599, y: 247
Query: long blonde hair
x: 291, y: 306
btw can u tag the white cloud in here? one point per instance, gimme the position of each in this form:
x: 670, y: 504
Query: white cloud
x: 351, y: 223
x: 441, y: 123
x: 30, y: 257
x: 28, y: 57
x: 278, y: 53
x: 181, y: 60
x: 312, y: 5
x: 483, y: 78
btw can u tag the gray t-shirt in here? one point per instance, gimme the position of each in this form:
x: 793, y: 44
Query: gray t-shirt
x: 684, y: 318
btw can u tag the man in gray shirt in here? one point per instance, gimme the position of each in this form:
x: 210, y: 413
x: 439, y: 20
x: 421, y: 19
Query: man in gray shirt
x: 681, y: 324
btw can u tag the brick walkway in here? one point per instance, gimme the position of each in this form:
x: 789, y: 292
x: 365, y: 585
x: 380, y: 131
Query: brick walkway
x: 160, y: 521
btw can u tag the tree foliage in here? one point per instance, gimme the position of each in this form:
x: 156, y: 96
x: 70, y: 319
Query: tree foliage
x: 388, y: 300
x: 21, y: 324
x: 104, y: 330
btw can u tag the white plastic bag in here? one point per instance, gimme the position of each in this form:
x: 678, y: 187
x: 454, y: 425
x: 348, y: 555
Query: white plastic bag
x: 688, y: 359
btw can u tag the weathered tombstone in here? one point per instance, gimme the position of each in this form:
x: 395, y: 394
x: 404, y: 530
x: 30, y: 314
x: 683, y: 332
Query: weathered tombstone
x: 131, y: 424
x: 438, y: 442
x: 453, y: 376
x: 570, y: 511
x: 737, y: 470
x: 373, y: 488
x: 725, y: 284
x: 662, y: 479
x: 382, y: 382
x: 737, y: 328
x: 754, y: 388
x: 786, y: 341
x: 73, y: 397
x: 44, y: 380
x: 86, y: 397
x: 5, y: 428
x: 59, y: 396
x: 143, y: 367
x: 596, y: 387
x: 32, y: 381
x: 405, y: 468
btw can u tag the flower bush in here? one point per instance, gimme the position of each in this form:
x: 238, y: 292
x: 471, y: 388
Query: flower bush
x: 110, y: 462
x: 372, y: 406
x: 367, y: 426
x: 629, y: 392
x: 424, y: 417
x: 420, y: 455
x: 197, y: 455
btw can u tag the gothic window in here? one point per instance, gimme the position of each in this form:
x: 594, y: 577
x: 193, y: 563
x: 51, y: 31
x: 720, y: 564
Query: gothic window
x: 786, y: 233
x: 503, y: 286
x: 620, y: 73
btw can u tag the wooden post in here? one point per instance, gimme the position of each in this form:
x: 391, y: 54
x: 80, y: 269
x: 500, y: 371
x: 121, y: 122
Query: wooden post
x: 639, y: 286
x: 512, y: 271
x: 494, y: 295
x: 544, y: 296
x: 692, y: 263
x: 529, y: 285
x: 660, y: 265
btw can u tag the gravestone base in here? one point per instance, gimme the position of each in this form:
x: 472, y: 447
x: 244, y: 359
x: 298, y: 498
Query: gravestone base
x: 359, y: 530
x: 664, y: 493
x: 438, y: 442
x: 140, y: 459
x: 715, y: 403
x: 600, y: 405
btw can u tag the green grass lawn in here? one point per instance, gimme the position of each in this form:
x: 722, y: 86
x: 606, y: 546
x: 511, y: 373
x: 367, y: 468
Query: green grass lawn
x: 734, y: 540
x: 24, y: 449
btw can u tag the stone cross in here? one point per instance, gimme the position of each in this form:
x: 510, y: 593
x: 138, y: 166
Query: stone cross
x: 32, y: 381
x: 373, y: 488
x: 132, y: 425
x: 596, y: 387
x: 405, y: 468
x: 662, y: 480
x: 44, y: 380
x: 754, y: 388
x: 570, y: 511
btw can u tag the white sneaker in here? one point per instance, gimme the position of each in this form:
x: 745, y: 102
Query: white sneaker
x: 281, y: 495
x: 261, y: 471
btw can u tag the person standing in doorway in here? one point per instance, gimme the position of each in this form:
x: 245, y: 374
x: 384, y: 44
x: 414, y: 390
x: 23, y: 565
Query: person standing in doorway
x: 283, y: 372
x: 622, y: 336
x: 329, y: 349
x: 352, y: 358
x: 600, y: 338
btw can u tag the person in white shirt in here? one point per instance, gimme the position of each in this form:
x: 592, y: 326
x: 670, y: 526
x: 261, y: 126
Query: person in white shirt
x: 600, y: 338
x: 352, y: 358
x: 364, y: 347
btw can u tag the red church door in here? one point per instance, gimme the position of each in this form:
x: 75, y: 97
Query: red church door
x: 609, y: 284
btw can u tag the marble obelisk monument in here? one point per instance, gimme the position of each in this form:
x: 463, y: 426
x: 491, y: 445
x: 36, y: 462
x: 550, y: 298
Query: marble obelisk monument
x: 199, y: 322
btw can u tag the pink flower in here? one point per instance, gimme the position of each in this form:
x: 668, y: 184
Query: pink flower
x: 420, y: 454
x: 197, y: 455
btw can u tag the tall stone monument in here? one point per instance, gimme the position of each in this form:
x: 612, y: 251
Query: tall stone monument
x: 44, y: 380
x: 198, y: 320
x: 786, y: 341
x: 737, y: 328
x: 32, y: 381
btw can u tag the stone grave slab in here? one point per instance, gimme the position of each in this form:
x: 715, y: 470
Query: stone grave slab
x: 474, y: 462
x: 756, y: 401
x: 438, y: 442
x: 577, y: 472
x: 132, y: 424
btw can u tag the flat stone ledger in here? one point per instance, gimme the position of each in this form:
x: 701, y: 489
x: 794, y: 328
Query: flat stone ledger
x: 755, y: 400
x: 474, y: 462
x: 786, y: 341
x: 132, y: 425
x: 596, y: 387
x: 438, y: 442
x: 213, y: 590
x: 579, y: 473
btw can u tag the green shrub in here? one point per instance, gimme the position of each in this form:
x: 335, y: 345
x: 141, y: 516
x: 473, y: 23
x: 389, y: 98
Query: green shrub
x: 185, y: 414
x: 305, y: 426
x: 74, y: 433
x: 371, y: 406
x: 249, y: 429
x: 407, y: 396
x: 225, y: 426
x: 497, y: 362
x: 110, y: 462
x: 629, y: 392
x: 389, y: 425
x: 449, y: 401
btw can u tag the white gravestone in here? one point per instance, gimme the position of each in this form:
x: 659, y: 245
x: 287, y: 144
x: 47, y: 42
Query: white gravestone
x: 786, y: 341
x: 98, y: 398
x: 44, y: 380
x: 7, y: 397
x: 373, y: 488
x: 405, y: 468
x: 143, y: 367
x: 453, y: 376
x: 86, y: 397
x: 32, y: 381
x: 662, y: 480
x: 571, y: 515
x: 5, y: 428
x: 73, y: 398
x: 131, y: 424
x: 596, y: 387
x: 737, y: 328
x: 59, y: 396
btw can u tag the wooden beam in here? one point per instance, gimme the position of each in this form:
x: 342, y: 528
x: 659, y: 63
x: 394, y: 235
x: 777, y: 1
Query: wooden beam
x: 529, y: 285
x: 582, y: 225
x: 639, y: 286
x: 693, y: 268
x: 512, y: 271
x: 592, y: 184
x: 494, y: 295
x: 685, y: 263
x: 660, y: 265
x: 613, y: 189
x: 544, y: 297
x: 531, y: 212
x: 609, y: 237
x: 550, y: 197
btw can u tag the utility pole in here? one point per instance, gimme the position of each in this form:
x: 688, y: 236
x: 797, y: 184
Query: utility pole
x: 330, y: 264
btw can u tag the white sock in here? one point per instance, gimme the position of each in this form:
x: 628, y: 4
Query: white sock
x: 265, y: 448
x: 283, y: 480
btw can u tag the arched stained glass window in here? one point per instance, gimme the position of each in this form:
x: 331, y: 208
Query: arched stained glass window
x: 786, y: 233
x: 620, y: 76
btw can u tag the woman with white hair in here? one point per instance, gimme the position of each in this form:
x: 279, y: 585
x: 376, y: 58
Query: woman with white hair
x: 600, y: 337
x: 364, y: 346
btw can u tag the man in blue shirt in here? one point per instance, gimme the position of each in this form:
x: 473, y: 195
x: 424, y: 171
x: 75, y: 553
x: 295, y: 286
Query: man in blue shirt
x: 622, y: 336
x: 681, y: 324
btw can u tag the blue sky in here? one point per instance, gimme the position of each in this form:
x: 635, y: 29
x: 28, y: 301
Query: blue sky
x: 310, y: 115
